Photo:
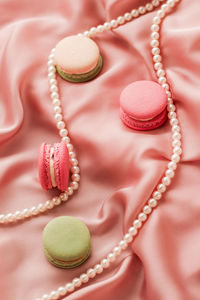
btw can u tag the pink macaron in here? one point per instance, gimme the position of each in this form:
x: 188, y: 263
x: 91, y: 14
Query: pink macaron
x: 53, y: 166
x: 143, y: 105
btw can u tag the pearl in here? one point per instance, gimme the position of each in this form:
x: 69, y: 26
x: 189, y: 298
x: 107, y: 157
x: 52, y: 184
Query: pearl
x: 166, y: 180
x: 70, y: 147
x: 57, y: 109
x: 161, y: 188
x: 175, y: 158
x: 54, y: 295
x: 107, y: 25
x: 176, y: 143
x: 91, y: 273
x: 66, y: 139
x: 75, y: 170
x: 137, y: 224
x: 53, y: 88
x: 105, y: 263
x: 169, y: 173
x: 162, y: 80
x: 58, y: 117
x: 111, y: 257
x: 127, y: 16
x: 134, y: 13
x: 63, y: 197
x: 120, y: 20
x: 172, y: 165
x: 147, y: 209
x: 70, y: 191
x: 74, y: 162
x: 176, y: 136
x: 152, y: 203
x: 155, y: 51
x: 51, y: 75
x: 51, y: 56
x: 113, y: 23
x: 160, y: 73
x: 132, y: 230
x: 177, y: 150
x: 165, y: 7
x: 157, y: 58
x: 52, y: 82
x: 165, y: 86
x: 76, y: 177
x: 61, y: 125
x: 93, y: 30
x: 70, y: 287
x: 74, y: 185
x: 84, y: 278
x: 123, y: 244
x: 46, y: 297
x: 155, y: 3
x: 98, y: 268
x: 154, y: 43
x: 154, y: 27
x: 72, y: 154
x: 76, y: 282
x: 176, y: 128
x: 56, y: 102
x: 149, y: 6
x: 158, y: 66
x: 62, y: 291
x: 155, y: 35
x: 100, y: 28
x: 41, y: 207
x: 174, y: 121
x: 157, y: 195
x: 142, y: 217
x: 156, y: 20
x: 86, y: 33
x: 171, y: 3
x: 54, y: 95
x: 142, y: 10
x: 128, y: 237
x: 160, y: 13
x: 117, y: 250
x: 51, y: 69
x: 63, y: 132
x: 56, y: 200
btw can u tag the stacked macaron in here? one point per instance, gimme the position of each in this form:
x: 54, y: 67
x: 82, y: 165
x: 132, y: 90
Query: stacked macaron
x: 77, y: 58
x: 143, y: 105
x: 66, y: 242
x: 54, y: 166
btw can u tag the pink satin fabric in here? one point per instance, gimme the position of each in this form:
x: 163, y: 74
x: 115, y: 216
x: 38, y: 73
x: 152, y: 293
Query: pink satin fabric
x: 119, y: 167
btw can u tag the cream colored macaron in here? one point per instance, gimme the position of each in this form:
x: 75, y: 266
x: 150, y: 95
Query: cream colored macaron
x: 77, y: 58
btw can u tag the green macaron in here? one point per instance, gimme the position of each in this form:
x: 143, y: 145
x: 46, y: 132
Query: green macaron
x: 66, y: 242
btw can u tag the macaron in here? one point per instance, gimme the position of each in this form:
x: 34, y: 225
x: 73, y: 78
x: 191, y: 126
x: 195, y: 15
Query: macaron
x: 66, y: 242
x: 143, y: 105
x: 53, y: 165
x: 77, y: 58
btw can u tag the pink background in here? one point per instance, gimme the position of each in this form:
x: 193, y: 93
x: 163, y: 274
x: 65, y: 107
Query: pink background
x: 119, y: 167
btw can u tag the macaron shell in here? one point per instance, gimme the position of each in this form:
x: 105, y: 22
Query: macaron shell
x: 144, y: 125
x: 43, y: 166
x: 61, y: 165
x: 66, y: 241
x: 143, y: 100
x: 76, y: 55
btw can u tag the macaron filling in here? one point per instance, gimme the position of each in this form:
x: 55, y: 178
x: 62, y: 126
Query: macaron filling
x: 52, y: 173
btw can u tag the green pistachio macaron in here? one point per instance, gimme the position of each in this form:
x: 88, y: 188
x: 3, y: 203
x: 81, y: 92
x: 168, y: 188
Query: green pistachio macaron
x: 66, y: 242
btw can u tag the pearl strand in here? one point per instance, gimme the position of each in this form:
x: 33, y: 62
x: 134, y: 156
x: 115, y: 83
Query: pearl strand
x: 128, y: 16
x: 161, y: 187
x: 60, y: 123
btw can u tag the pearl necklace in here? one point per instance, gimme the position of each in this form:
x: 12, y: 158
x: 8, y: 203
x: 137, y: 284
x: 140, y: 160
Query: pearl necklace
x: 59, y: 118
x: 172, y: 165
